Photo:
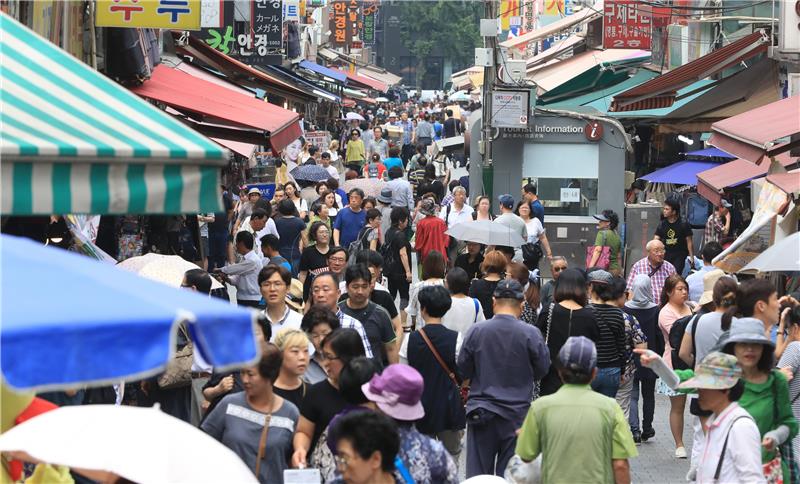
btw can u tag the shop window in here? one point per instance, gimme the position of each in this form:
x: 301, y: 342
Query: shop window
x: 567, y: 196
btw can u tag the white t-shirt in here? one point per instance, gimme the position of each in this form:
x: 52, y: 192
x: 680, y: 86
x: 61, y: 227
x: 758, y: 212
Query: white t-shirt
x: 269, y: 228
x: 535, y: 229
x: 742, y: 460
x: 332, y: 171
x: 462, y: 314
x: 301, y: 205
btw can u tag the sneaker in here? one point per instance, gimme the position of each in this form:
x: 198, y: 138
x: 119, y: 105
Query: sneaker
x: 680, y: 453
x: 648, y: 434
x: 637, y: 437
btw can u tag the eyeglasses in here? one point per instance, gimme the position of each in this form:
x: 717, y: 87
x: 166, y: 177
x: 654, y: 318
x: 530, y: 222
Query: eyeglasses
x: 273, y: 284
x: 341, y: 461
x: 329, y: 356
x: 559, y: 269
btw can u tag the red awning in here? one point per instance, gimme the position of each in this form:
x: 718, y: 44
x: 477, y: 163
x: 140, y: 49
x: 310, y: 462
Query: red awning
x: 788, y: 182
x: 711, y: 183
x: 660, y: 92
x: 217, y: 104
x: 753, y: 135
x: 363, y: 81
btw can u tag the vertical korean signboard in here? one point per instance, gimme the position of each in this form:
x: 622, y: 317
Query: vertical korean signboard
x: 627, y: 24
x: 257, y: 42
x: 369, y: 19
x: 339, y: 30
x: 155, y: 14
x: 266, y: 27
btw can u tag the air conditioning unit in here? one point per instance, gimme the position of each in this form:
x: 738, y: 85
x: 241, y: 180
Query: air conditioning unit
x: 513, y: 71
x: 789, y: 27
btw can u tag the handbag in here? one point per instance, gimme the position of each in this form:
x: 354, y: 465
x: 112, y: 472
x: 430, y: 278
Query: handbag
x: 464, y: 391
x: 605, y: 255
x: 179, y: 369
x: 532, y: 254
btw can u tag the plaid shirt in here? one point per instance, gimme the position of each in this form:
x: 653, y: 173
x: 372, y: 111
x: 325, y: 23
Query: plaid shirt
x: 349, y: 322
x: 714, y: 228
x: 657, y: 278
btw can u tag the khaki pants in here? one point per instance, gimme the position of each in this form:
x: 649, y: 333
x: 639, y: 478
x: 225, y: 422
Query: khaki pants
x: 451, y: 439
x: 624, y: 396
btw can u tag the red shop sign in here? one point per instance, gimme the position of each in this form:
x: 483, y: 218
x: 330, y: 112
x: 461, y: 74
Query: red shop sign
x: 627, y: 24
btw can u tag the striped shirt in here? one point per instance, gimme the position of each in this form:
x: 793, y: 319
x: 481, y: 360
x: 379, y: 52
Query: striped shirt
x: 350, y: 322
x: 611, y: 345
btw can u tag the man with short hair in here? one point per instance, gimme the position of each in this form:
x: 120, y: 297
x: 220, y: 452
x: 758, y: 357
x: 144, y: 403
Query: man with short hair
x: 676, y: 234
x: 337, y: 261
x: 695, y: 280
x: 270, y: 249
x: 719, y: 223
x: 325, y: 291
x: 378, y: 145
x: 558, y: 264
x: 402, y: 193
x: 653, y: 266
x: 253, y: 195
x: 376, y: 320
x: 425, y: 131
x: 457, y: 212
x: 259, y: 224
x: 385, y: 206
x: 409, y: 137
x: 500, y: 387
x: 325, y: 161
x: 274, y: 281
x: 513, y: 221
x: 577, y: 421
x: 537, y: 209
x: 244, y: 275
x: 349, y: 220
x: 451, y: 127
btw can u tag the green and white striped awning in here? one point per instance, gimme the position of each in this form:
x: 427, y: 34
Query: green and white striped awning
x: 74, y: 141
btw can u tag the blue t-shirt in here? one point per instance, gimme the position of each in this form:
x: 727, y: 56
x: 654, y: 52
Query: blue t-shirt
x: 390, y: 162
x: 349, y: 223
x: 437, y: 129
x: 537, y: 209
x: 289, y: 229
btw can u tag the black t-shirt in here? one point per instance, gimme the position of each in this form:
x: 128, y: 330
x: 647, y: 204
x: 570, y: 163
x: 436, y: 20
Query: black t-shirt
x: 673, y: 235
x: 215, y: 379
x: 436, y: 187
x: 397, y: 240
x: 289, y: 229
x: 377, y: 325
x: 382, y: 299
x: 452, y: 127
x: 482, y: 290
x: 473, y: 269
x: 321, y: 404
x: 295, y: 396
x: 315, y: 263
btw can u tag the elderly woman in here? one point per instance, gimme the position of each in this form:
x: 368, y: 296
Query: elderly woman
x: 290, y: 385
x: 242, y: 419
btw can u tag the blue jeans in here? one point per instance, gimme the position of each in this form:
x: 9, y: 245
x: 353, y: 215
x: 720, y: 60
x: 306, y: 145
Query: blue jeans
x: 647, y: 386
x: 607, y: 381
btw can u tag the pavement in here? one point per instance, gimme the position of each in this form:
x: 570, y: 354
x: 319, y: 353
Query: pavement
x: 656, y: 463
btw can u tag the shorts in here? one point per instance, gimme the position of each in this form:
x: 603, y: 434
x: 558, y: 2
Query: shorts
x: 204, y: 244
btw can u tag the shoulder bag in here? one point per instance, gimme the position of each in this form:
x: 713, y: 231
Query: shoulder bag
x: 450, y: 374
x: 262, y: 444
x: 725, y: 447
x: 179, y: 369
x: 605, y: 255
x: 549, y: 322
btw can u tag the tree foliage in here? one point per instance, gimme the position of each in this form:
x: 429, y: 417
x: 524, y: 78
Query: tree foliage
x: 453, y: 27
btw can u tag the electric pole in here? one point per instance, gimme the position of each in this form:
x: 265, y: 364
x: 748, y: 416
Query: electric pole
x: 489, y: 78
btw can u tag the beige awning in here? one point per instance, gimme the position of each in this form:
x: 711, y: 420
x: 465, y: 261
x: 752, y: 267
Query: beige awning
x: 580, y: 17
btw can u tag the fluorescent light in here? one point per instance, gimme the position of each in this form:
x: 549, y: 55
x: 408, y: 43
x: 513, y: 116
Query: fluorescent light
x: 686, y: 140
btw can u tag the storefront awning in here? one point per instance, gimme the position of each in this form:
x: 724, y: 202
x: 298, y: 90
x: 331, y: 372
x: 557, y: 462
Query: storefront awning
x: 583, y: 16
x: 683, y: 96
x: 680, y: 173
x: 709, y: 153
x: 74, y: 141
x: 788, y: 182
x: 661, y: 91
x: 604, y: 74
x: 379, y: 75
x: 757, y: 133
x: 556, y: 73
x: 642, y: 75
x: 356, y: 80
x: 300, y: 81
x: 323, y: 71
x: 711, y: 183
x: 217, y: 104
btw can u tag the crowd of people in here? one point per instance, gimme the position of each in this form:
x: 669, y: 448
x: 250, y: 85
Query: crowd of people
x: 369, y: 376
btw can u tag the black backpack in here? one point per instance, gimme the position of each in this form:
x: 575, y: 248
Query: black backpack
x: 390, y: 262
x: 676, y: 333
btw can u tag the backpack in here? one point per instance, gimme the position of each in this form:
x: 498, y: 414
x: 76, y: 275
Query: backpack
x: 676, y: 333
x: 390, y: 262
x: 358, y: 245
x: 372, y: 170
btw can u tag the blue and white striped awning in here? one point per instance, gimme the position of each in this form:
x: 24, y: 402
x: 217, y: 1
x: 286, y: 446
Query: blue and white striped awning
x: 74, y: 141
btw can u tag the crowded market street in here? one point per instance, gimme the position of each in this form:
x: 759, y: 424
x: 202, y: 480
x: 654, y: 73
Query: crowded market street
x: 379, y: 242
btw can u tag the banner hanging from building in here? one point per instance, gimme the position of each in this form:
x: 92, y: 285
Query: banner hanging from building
x: 253, y: 36
x: 346, y: 22
x: 152, y: 14
x: 627, y: 24
x: 369, y: 20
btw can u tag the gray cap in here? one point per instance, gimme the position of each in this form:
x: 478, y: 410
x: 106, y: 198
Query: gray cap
x: 746, y: 330
x: 600, y: 277
x: 385, y: 196
x: 578, y: 354
x: 509, y: 289
x: 600, y: 217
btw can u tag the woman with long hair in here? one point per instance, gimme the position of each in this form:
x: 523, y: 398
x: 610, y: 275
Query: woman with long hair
x: 674, y: 306
x: 398, y: 267
x: 569, y: 315
x: 607, y: 236
x: 293, y: 194
x: 531, y: 304
x: 483, y: 207
x: 493, y: 268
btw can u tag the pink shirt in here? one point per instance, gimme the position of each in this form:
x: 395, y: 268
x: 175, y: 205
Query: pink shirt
x: 666, y: 318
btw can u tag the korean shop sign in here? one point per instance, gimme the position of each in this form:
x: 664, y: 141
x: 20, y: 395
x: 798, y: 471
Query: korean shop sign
x: 153, y: 14
x: 368, y: 21
x: 257, y: 42
x: 626, y: 25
